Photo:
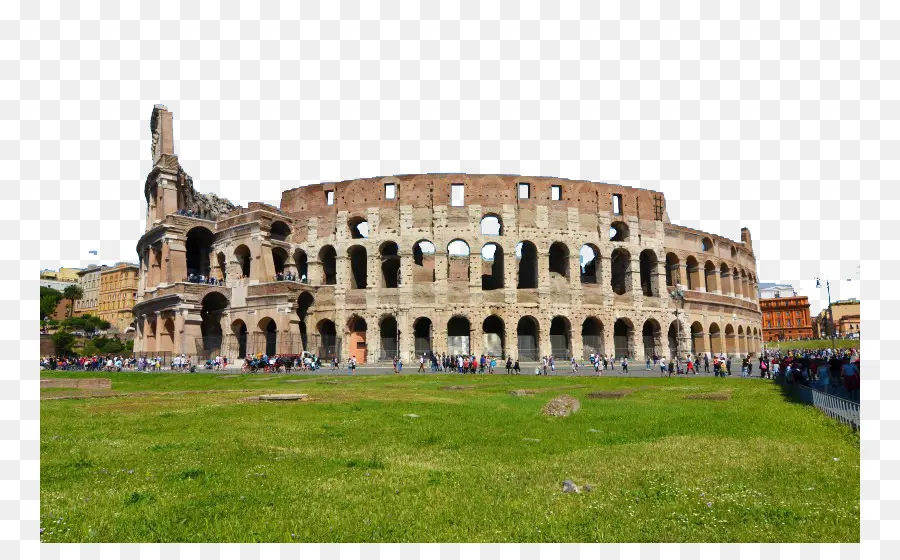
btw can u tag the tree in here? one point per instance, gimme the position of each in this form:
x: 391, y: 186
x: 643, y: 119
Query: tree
x: 87, y: 323
x: 49, y: 300
x: 72, y: 293
x: 62, y: 342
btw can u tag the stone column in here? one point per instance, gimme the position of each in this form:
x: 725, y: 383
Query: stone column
x: 605, y: 280
x: 315, y: 273
x: 636, y: 289
x: 190, y: 332
x: 175, y: 262
x: 342, y: 272
x: 150, y: 335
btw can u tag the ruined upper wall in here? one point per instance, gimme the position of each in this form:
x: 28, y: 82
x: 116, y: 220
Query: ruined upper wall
x: 491, y: 192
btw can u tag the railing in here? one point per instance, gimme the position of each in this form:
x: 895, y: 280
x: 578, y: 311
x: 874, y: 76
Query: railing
x: 842, y: 410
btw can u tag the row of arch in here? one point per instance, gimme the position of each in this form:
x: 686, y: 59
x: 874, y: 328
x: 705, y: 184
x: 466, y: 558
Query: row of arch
x: 720, y: 279
x: 709, y: 277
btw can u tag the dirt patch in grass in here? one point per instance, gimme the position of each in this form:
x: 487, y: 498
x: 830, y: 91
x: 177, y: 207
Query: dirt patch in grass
x: 456, y: 388
x: 610, y: 394
x: 560, y: 388
x: 522, y: 392
x: 563, y: 405
x: 716, y: 396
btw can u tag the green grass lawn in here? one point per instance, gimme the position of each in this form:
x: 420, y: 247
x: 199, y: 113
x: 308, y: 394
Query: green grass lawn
x: 174, y: 463
x: 811, y: 344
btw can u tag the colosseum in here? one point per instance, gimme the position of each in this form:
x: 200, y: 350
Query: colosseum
x: 447, y: 263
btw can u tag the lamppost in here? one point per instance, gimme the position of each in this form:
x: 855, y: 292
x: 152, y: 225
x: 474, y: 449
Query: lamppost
x: 830, y: 311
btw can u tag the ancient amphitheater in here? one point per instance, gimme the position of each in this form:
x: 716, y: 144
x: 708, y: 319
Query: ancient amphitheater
x: 388, y: 266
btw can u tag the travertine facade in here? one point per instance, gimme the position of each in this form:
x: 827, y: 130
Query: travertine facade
x: 494, y: 264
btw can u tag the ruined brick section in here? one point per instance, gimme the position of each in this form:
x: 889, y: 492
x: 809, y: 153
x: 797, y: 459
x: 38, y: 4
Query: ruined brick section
x: 386, y: 293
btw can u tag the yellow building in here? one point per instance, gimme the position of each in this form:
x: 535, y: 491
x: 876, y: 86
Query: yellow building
x: 118, y: 285
x: 61, y: 275
x: 89, y: 280
x: 846, y: 318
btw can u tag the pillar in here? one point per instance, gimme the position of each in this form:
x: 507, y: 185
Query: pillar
x: 635, y: 280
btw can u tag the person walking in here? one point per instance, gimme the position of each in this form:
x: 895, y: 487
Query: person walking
x: 624, y: 366
x: 509, y: 364
x: 516, y: 368
x: 705, y: 363
x: 574, y: 365
x: 662, y: 367
x: 422, y: 363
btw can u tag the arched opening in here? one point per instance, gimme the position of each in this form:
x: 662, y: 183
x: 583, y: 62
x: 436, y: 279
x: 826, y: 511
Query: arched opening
x: 623, y: 338
x: 302, y: 262
x: 359, y: 227
x: 526, y: 253
x: 590, y: 264
x: 698, y: 340
x: 491, y: 225
x: 304, y: 302
x: 673, y: 270
x: 706, y: 244
x: 458, y: 336
x: 592, y: 337
x: 733, y: 253
x: 212, y: 307
x: 648, y: 273
x: 673, y: 336
x: 358, y: 267
x: 712, y: 284
x: 458, y: 261
x: 715, y: 339
x: 741, y: 340
x: 198, y: 247
x: 223, y: 266
x: 279, y: 258
x: 239, y: 331
x: 693, y: 273
x: 725, y: 278
x: 388, y: 333
x: 422, y: 334
x: 652, y: 335
x: 560, y: 337
x: 242, y: 255
x: 423, y: 262
x: 730, y: 340
x: 527, y: 333
x: 356, y: 328
x: 491, y: 267
x: 327, y: 346
x: 390, y: 265
x: 559, y: 260
x: 269, y: 330
x: 328, y: 258
x: 618, y: 231
x: 280, y: 231
x: 620, y: 263
x: 735, y: 282
x: 494, y: 336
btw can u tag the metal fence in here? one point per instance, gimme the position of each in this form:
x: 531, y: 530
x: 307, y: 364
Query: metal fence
x: 528, y: 350
x: 624, y: 348
x: 457, y: 345
x: 164, y: 357
x: 592, y: 344
x: 842, y: 410
x: 559, y: 346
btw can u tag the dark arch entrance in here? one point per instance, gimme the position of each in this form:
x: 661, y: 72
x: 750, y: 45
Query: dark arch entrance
x: 422, y: 332
x: 527, y: 332
x: 270, y: 336
x: 673, y: 336
x: 327, y: 346
x: 491, y: 267
x: 328, y: 258
x: 388, y: 333
x: 652, y: 333
x: 560, y: 338
x: 526, y: 252
x: 358, y: 267
x: 592, y: 337
x: 211, y: 309
x: 390, y: 265
x: 494, y: 336
x: 620, y: 263
x: 623, y: 337
x: 198, y: 247
x: 242, y: 254
x: 239, y: 331
x: 459, y: 331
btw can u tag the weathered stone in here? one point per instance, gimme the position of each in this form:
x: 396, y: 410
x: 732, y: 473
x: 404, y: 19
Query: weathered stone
x: 569, y: 486
x: 563, y: 405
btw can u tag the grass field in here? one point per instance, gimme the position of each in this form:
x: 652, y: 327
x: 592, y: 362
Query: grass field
x: 811, y: 344
x: 188, y: 458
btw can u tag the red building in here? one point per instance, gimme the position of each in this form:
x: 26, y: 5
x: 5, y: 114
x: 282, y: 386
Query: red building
x: 786, y: 318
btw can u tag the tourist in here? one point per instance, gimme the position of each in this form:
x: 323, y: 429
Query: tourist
x: 624, y: 365
x: 493, y: 363
x: 422, y: 363
x: 544, y: 364
x: 509, y: 364
x: 662, y: 367
x: 574, y: 365
x: 516, y: 367
x: 705, y: 363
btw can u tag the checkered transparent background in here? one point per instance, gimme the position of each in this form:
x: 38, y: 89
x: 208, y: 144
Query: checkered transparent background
x: 778, y: 116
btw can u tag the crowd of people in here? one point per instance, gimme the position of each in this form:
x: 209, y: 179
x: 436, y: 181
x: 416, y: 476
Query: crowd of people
x: 202, y: 279
x: 824, y: 369
x: 284, y: 363
x: 289, y: 277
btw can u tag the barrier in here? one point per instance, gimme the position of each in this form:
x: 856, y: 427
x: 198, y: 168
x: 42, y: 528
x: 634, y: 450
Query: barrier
x: 842, y: 410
